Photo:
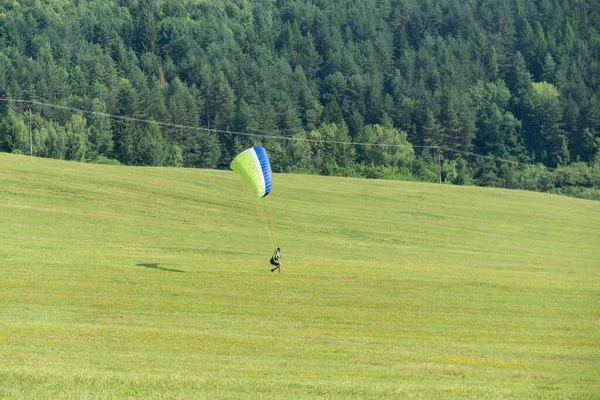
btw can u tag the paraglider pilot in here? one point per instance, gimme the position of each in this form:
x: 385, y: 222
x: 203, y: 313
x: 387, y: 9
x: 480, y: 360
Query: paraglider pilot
x: 276, y: 260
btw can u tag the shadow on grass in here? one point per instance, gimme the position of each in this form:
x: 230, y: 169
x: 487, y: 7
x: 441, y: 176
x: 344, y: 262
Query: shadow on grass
x: 156, y: 266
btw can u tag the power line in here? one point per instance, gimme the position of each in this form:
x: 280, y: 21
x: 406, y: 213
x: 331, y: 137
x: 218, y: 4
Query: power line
x: 211, y: 130
x: 266, y: 135
x: 495, y: 158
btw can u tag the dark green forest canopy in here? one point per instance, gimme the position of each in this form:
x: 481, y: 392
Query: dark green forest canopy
x: 515, y: 80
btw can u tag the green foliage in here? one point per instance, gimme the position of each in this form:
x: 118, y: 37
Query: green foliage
x: 498, y: 130
x: 106, y: 161
x: 77, y: 134
x: 577, y: 174
x: 395, y: 150
x: 425, y: 169
x: 535, y: 177
x: 595, y: 162
x: 486, y: 173
x: 298, y: 155
x: 203, y: 150
x: 331, y: 148
x: 578, y: 191
x: 518, y: 81
x: 100, y: 137
x: 153, y: 148
x: 449, y: 171
x: 385, y: 172
x: 545, y: 135
x: 142, y: 144
x: 56, y: 141
x: 174, y: 156
x: 13, y: 133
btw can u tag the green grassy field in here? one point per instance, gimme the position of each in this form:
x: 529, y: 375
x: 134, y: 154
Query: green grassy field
x: 120, y: 282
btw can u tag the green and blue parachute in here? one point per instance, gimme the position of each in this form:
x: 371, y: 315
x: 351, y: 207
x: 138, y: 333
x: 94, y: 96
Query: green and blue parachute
x: 255, y: 169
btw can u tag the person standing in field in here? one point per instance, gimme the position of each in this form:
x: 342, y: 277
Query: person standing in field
x: 276, y: 260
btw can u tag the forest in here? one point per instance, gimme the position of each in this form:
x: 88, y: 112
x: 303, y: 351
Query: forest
x: 502, y: 93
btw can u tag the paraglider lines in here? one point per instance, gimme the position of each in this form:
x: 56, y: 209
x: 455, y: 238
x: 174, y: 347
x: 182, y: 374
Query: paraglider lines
x: 272, y: 223
x: 262, y: 218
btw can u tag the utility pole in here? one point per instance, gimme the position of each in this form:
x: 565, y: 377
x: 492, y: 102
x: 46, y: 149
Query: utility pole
x: 30, y: 136
x: 439, y: 163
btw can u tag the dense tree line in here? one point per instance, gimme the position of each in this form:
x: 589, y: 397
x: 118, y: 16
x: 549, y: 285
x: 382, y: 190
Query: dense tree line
x: 517, y: 81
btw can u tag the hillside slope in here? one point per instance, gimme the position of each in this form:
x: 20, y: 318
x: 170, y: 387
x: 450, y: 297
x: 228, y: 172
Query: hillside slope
x: 154, y: 282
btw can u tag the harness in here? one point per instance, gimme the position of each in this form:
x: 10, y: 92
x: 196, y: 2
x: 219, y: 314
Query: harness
x: 275, y: 259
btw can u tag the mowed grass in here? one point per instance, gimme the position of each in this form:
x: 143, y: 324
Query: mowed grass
x: 120, y: 282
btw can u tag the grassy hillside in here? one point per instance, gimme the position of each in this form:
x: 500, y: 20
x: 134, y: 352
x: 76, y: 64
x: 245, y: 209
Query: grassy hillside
x: 155, y: 283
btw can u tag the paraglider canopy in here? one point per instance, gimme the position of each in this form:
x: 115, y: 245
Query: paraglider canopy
x: 255, y: 169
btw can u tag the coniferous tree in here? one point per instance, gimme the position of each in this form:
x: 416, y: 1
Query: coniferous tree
x: 13, y: 133
x: 77, y: 136
x: 400, y: 152
x: 437, y: 70
x: 545, y: 136
x: 100, y: 136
